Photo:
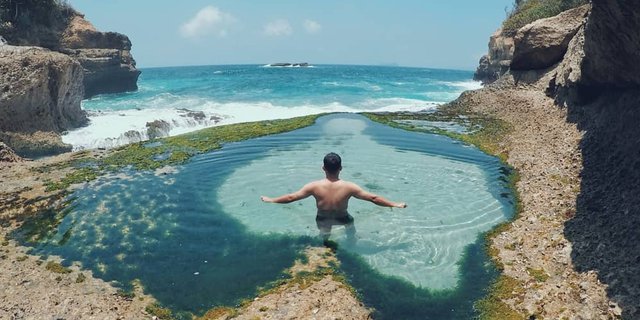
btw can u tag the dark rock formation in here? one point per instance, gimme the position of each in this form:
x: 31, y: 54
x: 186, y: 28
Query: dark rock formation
x: 497, y: 61
x: 158, y: 129
x: 599, y: 82
x: 544, y: 42
x: 106, y: 70
x: 195, y: 115
x: 40, y: 96
x: 133, y: 136
x: 612, y: 45
x: 288, y: 64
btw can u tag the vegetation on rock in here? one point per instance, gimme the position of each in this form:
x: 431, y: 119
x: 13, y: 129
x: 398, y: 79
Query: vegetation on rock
x: 527, y: 11
x: 57, y: 268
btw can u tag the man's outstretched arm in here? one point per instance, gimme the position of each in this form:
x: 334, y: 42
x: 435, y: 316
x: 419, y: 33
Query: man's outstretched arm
x: 368, y: 196
x: 305, y: 192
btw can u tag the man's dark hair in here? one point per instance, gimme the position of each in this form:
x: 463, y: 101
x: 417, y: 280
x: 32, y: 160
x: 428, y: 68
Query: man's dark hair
x: 332, y: 163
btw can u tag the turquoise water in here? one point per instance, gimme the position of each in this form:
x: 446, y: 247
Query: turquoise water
x: 199, y: 237
x: 241, y: 93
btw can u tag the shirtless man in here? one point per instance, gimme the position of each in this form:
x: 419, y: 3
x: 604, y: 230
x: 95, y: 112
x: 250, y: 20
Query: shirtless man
x: 332, y: 198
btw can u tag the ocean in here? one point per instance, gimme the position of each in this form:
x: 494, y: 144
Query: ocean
x: 191, y: 98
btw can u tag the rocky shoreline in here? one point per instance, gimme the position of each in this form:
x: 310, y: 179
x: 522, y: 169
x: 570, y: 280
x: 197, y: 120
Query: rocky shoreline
x: 542, y: 146
x: 533, y: 250
x: 571, y: 253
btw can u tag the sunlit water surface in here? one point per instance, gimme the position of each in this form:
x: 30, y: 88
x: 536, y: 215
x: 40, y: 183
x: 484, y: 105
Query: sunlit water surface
x: 200, y: 237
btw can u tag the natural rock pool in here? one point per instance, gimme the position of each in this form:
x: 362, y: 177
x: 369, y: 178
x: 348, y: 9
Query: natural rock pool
x: 200, y: 237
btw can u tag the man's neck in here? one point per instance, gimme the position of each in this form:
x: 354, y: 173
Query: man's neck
x: 333, y: 177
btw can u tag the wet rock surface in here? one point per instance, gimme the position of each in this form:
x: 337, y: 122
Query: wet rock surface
x: 158, y: 129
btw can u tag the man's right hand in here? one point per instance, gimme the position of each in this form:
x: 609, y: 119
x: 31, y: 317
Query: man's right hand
x: 266, y: 199
x: 401, y: 205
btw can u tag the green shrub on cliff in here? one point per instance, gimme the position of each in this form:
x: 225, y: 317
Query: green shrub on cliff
x: 527, y: 11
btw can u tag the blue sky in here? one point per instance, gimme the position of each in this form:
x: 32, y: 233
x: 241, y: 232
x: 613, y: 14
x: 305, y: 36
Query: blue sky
x: 423, y: 33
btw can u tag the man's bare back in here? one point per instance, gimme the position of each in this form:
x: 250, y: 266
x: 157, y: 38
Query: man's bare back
x: 332, y: 198
x: 332, y: 194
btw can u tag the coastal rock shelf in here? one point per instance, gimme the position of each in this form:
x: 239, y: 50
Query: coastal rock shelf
x: 198, y: 236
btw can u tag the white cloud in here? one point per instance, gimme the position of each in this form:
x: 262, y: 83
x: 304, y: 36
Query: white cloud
x: 312, y: 26
x: 209, y: 20
x: 278, y: 28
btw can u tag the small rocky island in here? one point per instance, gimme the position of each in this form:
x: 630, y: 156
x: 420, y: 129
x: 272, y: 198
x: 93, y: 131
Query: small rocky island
x: 287, y: 64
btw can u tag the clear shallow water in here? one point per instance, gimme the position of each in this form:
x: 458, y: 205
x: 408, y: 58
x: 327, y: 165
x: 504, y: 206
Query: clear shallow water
x: 242, y: 93
x: 452, y: 196
x: 200, y: 237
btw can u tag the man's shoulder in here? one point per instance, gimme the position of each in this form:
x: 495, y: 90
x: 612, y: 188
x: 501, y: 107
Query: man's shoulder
x: 350, y: 185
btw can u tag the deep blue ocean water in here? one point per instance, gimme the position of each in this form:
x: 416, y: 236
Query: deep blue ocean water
x: 241, y: 93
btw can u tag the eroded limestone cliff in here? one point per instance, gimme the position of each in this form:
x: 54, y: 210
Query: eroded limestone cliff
x: 588, y: 60
x: 106, y: 57
x: 40, y: 96
x: 52, y: 61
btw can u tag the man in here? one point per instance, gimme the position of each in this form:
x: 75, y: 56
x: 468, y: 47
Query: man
x: 332, y: 198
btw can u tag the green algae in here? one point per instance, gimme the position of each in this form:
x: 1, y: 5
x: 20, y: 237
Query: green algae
x: 538, y: 274
x: 158, y: 311
x: 171, y: 151
x: 81, y: 278
x: 77, y: 176
x: 485, y: 132
x: 45, y: 224
x: 301, y: 280
x: 492, y: 306
x: 56, y: 267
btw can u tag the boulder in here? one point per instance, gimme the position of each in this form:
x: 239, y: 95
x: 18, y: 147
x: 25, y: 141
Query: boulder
x: 543, y: 43
x: 158, y: 129
x: 497, y: 61
x: 7, y: 155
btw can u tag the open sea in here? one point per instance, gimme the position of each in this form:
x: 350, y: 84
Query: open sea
x: 240, y: 93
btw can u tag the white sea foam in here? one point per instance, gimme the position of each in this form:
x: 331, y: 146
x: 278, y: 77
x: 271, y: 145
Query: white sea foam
x: 108, y: 129
x: 464, y: 85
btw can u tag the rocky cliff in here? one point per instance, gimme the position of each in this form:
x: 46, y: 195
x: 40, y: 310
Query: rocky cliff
x: 588, y: 60
x: 600, y: 86
x: 54, y: 59
x: 40, y: 96
x: 106, y: 57
x: 498, y: 60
